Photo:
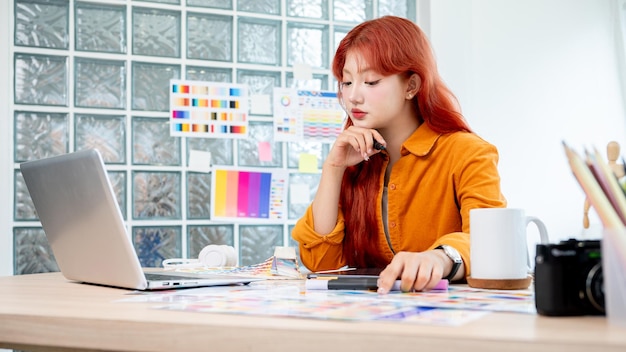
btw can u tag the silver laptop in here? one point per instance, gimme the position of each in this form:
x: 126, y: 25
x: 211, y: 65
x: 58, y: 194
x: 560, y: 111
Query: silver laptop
x: 82, y: 220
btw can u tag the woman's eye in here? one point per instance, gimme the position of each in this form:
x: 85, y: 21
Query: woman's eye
x: 345, y: 84
x: 372, y: 83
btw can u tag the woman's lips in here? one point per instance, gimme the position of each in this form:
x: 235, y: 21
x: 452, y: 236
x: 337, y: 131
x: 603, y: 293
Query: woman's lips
x: 358, y: 114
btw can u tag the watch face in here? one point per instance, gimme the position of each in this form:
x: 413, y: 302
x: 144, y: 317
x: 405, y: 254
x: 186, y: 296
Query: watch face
x: 452, y: 253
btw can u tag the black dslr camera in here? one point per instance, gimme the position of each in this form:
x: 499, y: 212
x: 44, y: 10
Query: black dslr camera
x: 568, y: 278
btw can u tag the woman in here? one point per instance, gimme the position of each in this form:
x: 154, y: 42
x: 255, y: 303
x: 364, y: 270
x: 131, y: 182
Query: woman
x: 403, y: 206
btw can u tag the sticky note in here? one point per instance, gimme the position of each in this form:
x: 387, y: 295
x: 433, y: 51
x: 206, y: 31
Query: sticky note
x: 307, y: 163
x: 199, y: 161
x: 302, y: 71
x: 265, y: 151
x: 260, y: 104
x: 299, y: 194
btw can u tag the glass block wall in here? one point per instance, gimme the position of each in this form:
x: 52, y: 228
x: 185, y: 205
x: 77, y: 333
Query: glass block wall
x: 95, y: 74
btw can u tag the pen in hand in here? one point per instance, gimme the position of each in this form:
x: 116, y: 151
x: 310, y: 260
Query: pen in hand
x: 378, y: 145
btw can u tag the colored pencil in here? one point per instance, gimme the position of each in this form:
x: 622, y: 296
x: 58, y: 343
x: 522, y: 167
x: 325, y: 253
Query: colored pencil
x: 592, y: 189
x: 614, y: 191
x: 603, y: 179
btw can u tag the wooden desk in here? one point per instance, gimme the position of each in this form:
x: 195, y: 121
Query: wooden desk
x: 44, y: 312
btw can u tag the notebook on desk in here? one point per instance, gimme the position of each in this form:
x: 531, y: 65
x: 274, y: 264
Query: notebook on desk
x: 84, y: 226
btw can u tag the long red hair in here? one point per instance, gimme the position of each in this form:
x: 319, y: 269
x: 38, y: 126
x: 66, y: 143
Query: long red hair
x: 390, y: 45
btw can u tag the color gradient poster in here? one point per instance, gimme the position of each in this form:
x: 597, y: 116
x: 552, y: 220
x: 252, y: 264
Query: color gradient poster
x: 251, y: 193
x: 307, y: 115
x: 208, y: 109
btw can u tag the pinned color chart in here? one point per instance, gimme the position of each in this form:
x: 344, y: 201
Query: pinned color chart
x: 208, y: 109
x: 258, y: 194
x: 307, y: 115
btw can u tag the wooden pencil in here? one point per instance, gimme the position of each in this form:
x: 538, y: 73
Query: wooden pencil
x: 592, y: 189
x: 614, y: 191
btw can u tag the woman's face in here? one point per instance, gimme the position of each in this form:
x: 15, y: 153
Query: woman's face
x: 371, y: 99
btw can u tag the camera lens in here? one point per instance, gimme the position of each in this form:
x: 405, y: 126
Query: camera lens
x: 594, y: 287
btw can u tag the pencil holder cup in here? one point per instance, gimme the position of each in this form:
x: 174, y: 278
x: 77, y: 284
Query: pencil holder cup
x: 614, y: 268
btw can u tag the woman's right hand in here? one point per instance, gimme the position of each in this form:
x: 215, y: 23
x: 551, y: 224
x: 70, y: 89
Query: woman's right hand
x: 354, y: 145
x: 351, y: 147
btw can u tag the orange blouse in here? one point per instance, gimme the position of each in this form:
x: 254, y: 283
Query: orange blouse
x: 431, y: 190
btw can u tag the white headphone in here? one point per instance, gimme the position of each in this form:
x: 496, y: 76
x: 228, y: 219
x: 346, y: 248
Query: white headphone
x: 211, y: 256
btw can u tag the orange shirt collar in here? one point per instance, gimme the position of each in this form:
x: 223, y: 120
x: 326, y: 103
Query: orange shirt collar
x: 421, y: 142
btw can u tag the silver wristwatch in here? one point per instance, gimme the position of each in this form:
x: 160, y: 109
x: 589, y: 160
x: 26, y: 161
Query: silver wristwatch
x: 453, y: 254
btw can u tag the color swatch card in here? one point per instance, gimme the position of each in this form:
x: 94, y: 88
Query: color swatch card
x: 255, y: 194
x: 208, y: 109
x: 307, y: 115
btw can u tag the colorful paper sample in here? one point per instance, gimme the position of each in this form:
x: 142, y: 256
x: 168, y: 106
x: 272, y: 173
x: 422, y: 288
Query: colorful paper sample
x: 258, y: 194
x: 454, y: 307
x: 305, y: 115
x: 208, y: 109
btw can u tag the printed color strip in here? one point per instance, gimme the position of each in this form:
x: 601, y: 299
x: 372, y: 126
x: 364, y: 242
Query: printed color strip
x: 232, y: 185
x: 254, y: 199
x: 220, y: 193
x: 264, y: 196
x: 242, y: 193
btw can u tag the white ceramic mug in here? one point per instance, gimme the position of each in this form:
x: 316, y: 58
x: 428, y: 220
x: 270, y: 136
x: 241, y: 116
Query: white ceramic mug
x: 499, y: 245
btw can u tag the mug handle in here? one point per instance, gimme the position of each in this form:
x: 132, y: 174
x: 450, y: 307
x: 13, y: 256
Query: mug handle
x: 543, y: 231
x: 543, y: 235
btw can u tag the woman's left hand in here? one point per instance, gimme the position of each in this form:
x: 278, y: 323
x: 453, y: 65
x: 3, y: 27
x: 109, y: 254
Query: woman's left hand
x: 418, y: 271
